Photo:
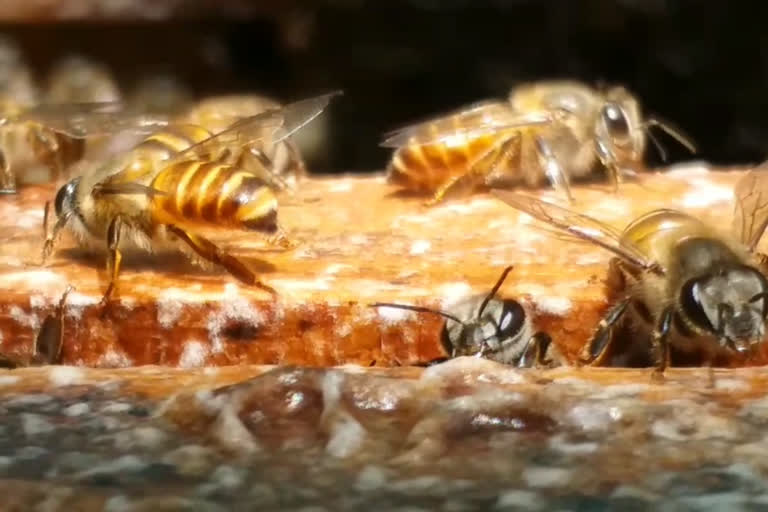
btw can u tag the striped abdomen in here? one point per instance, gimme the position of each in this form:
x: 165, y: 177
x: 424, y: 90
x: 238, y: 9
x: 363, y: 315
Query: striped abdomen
x: 211, y: 194
x: 425, y: 167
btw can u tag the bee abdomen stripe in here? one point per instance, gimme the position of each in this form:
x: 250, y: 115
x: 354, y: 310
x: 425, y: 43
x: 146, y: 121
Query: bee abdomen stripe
x: 261, y: 202
x: 182, y: 188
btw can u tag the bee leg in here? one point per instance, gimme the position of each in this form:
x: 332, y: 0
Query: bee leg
x: 53, y: 235
x: 660, y: 342
x: 500, y: 154
x: 596, y: 350
x: 266, y: 169
x: 7, y: 179
x: 50, y: 336
x: 114, y: 256
x: 552, y: 168
x: 209, y: 251
x: 46, y: 216
x: 534, y: 354
x: 450, y: 185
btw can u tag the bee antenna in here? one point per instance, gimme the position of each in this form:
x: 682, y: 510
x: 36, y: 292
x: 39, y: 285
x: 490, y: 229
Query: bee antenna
x: 670, y: 130
x: 419, y: 309
x: 657, y: 145
x: 493, y: 291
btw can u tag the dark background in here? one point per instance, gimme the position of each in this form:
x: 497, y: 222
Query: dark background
x: 703, y: 65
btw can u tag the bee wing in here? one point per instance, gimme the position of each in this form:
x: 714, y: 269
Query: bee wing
x: 80, y: 120
x: 274, y: 125
x: 580, y: 227
x: 475, y: 121
x: 751, y: 206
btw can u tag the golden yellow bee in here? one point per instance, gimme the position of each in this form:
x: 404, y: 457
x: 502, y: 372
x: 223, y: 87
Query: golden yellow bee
x: 171, y: 187
x: 218, y: 112
x: 547, y: 131
x: 498, y: 329
x: 55, y: 133
x: 680, y: 285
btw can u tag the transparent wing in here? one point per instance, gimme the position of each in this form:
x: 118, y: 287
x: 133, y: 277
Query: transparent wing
x: 580, y: 227
x: 751, y: 206
x: 273, y: 126
x: 481, y: 119
x: 88, y: 119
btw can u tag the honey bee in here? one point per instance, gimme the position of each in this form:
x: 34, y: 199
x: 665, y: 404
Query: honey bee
x: 498, y: 329
x: 55, y: 135
x: 76, y: 79
x: 553, y: 130
x: 16, y: 82
x: 163, y: 94
x: 174, y: 185
x: 48, y: 342
x: 679, y: 283
x: 219, y: 112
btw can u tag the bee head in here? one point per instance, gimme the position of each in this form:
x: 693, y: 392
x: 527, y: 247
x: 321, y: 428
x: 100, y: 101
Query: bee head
x: 619, y: 134
x: 65, y: 198
x: 732, y: 304
x: 496, y: 328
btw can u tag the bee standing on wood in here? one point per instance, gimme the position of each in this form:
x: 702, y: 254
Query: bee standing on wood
x: 546, y: 131
x: 498, y: 329
x: 177, y: 184
x: 679, y: 281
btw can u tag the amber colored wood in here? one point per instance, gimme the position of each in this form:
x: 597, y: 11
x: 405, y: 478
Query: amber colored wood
x: 358, y: 241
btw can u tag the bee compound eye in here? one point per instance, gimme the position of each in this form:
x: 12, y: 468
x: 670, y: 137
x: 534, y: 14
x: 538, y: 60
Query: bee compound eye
x: 64, y: 195
x: 512, y: 319
x: 692, y: 305
x: 616, y: 122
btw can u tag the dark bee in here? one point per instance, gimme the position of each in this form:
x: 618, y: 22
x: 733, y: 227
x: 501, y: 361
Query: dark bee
x: 48, y: 343
x: 497, y: 329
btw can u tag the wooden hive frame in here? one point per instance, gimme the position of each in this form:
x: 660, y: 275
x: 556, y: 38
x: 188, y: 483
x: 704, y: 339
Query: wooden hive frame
x: 359, y: 242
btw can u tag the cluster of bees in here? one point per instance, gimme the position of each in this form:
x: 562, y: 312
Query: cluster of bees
x: 679, y: 283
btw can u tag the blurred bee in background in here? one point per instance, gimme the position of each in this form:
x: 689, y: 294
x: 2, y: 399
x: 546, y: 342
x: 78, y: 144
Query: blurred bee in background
x: 55, y: 135
x: 48, y: 342
x: 288, y: 165
x: 41, y: 140
x: 547, y: 131
x: 678, y: 283
x: 161, y: 94
x: 76, y: 79
x: 16, y: 82
x: 498, y: 329
x: 172, y: 187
